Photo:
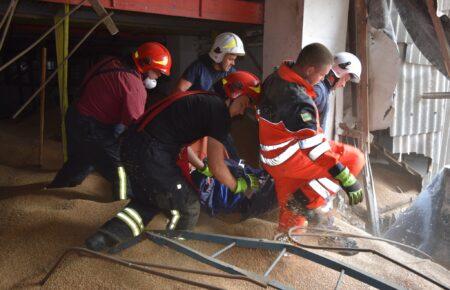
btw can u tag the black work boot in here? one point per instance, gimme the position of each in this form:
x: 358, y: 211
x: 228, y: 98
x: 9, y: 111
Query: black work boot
x: 109, y: 235
x: 100, y: 241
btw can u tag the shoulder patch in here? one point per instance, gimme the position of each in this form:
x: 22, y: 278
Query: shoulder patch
x: 306, y: 116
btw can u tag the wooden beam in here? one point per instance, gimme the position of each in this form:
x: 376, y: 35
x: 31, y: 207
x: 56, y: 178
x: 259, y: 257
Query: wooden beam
x: 240, y: 11
x: 42, y: 105
x: 351, y: 44
x: 443, y: 43
x: 101, y: 12
x: 363, y: 86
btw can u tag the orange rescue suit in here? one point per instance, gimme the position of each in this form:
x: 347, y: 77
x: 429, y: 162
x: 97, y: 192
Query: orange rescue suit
x: 300, y: 160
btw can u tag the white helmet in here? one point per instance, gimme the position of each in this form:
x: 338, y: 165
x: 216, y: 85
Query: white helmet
x: 347, y: 63
x: 224, y: 43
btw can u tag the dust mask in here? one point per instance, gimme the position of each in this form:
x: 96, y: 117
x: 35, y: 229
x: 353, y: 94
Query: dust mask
x: 150, y: 83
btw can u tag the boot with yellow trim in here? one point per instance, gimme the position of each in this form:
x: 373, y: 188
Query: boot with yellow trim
x: 126, y: 225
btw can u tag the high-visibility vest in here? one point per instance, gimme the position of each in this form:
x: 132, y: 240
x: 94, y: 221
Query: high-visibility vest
x: 283, y: 152
x: 278, y: 144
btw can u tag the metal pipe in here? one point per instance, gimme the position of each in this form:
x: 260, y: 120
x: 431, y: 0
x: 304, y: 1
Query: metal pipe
x: 339, y: 281
x: 275, y: 262
x: 42, y: 37
x: 349, y: 235
x: 363, y: 250
x: 207, y: 273
x: 436, y: 95
x: 126, y: 264
x: 223, y: 250
x: 60, y: 65
x: 10, y: 16
x: 167, y: 241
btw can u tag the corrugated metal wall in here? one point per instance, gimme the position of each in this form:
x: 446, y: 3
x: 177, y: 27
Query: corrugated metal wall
x: 419, y: 125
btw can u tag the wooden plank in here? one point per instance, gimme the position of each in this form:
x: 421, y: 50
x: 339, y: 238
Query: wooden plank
x: 443, y: 44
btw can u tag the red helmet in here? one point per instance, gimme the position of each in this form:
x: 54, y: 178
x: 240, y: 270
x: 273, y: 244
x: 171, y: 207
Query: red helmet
x: 241, y: 83
x: 153, y: 56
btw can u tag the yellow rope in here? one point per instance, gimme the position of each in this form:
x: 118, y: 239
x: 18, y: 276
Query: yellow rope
x: 62, y: 50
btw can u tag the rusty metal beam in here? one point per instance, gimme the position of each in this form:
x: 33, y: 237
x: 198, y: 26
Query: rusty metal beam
x: 443, y: 43
x: 223, y: 10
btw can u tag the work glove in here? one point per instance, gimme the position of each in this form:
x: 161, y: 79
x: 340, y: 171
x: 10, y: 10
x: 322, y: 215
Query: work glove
x: 349, y: 184
x: 247, y: 182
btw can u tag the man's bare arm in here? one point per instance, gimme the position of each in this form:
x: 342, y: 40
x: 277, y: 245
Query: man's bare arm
x: 217, y: 164
x: 182, y: 86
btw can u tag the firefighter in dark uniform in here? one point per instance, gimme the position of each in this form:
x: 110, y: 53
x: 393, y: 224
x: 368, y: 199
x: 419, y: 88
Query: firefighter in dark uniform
x: 150, y: 150
x: 113, y: 95
x: 203, y: 73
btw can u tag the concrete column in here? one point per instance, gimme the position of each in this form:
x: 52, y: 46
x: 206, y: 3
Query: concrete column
x: 283, y: 24
x: 325, y: 21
